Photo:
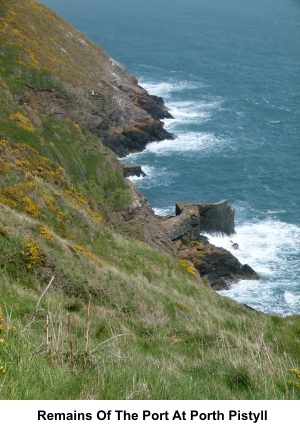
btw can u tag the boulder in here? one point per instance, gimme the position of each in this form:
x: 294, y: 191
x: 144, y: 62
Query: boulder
x: 187, y: 223
x: 213, y: 217
x: 216, y: 217
x: 132, y: 170
x: 216, y: 264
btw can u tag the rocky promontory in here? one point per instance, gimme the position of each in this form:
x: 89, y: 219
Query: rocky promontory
x: 75, y: 79
x: 188, y: 228
x: 216, y: 264
x: 192, y: 219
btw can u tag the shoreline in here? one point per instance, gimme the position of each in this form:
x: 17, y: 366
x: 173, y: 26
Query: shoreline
x: 287, y: 309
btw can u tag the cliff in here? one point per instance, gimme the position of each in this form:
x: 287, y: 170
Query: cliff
x: 93, y: 303
x: 67, y: 76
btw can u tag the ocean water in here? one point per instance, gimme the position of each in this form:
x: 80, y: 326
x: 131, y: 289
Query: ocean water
x: 229, y: 70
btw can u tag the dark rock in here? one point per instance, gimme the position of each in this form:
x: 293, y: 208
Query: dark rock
x: 203, y: 239
x: 133, y: 138
x: 132, y: 170
x: 216, y: 217
x: 248, y: 273
x: 154, y: 106
x: 181, y: 206
x: 250, y: 308
x: 187, y: 223
x: 216, y: 264
x: 162, y: 112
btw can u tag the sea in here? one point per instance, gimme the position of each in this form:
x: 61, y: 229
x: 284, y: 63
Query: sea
x: 229, y: 71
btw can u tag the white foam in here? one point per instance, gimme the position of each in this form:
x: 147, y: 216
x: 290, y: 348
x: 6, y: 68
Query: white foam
x: 184, y: 112
x: 165, y: 89
x: 130, y: 158
x: 135, y: 178
x: 187, y: 113
x: 155, y: 177
x: 168, y: 210
x: 272, y: 249
x: 268, y: 297
x: 292, y: 299
x: 263, y: 244
x: 186, y: 143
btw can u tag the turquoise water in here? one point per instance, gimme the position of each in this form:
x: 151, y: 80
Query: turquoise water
x: 230, y: 73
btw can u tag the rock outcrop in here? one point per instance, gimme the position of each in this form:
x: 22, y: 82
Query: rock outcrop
x: 194, y: 219
x: 216, y: 264
x: 216, y: 218
x: 132, y: 170
x: 188, y: 230
x: 153, y: 233
x: 75, y: 79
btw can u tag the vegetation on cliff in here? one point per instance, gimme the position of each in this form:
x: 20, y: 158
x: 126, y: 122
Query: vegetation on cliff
x: 90, y: 308
x: 65, y: 75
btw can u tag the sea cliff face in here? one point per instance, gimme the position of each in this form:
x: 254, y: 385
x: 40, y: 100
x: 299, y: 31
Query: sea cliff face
x: 77, y: 80
x: 53, y: 71
x: 94, y: 301
x: 59, y: 94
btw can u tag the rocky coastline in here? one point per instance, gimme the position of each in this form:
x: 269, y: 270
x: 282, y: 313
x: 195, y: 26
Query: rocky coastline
x: 183, y: 236
x: 188, y: 228
x: 95, y: 92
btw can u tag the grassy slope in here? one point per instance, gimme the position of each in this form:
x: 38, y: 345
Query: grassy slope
x: 120, y: 320
x: 25, y: 23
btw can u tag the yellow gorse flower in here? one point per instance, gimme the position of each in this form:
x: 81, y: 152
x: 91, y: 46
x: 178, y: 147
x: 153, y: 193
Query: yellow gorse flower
x: 189, y: 267
x: 34, y: 255
x: 22, y: 121
x: 45, y: 232
x: 296, y: 383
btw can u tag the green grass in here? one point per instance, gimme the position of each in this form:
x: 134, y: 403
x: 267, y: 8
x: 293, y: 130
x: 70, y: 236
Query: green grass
x: 169, y: 338
x: 138, y: 357
x: 153, y: 330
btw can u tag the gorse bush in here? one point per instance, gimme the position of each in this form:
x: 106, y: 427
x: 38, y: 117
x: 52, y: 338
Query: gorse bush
x: 296, y: 373
x: 33, y: 255
x: 189, y: 267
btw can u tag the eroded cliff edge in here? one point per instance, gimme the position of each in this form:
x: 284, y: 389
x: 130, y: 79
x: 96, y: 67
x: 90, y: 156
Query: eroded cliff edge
x: 53, y: 71
x: 72, y: 78
x: 59, y: 93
